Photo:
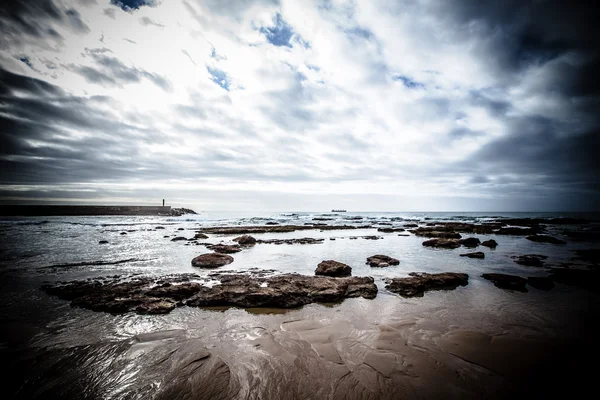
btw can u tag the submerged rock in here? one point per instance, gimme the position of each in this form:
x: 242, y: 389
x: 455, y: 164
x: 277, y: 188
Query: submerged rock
x: 333, y: 268
x: 103, y: 242
x: 442, y: 243
x: 212, y: 260
x: 178, y: 238
x: 477, y: 254
x: 470, y: 242
x: 531, y: 260
x: 145, y: 296
x: 419, y: 282
x: 245, y: 240
x: 492, y: 244
x: 380, y: 260
x: 545, y: 239
x: 505, y: 281
x: 224, y: 248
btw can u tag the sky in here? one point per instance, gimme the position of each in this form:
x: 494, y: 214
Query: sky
x: 366, y: 105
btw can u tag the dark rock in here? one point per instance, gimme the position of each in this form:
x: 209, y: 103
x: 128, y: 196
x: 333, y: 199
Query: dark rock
x: 180, y: 229
x: 103, y: 242
x: 380, y: 260
x: 477, y: 254
x: 492, y: 244
x: 540, y: 282
x: 123, y: 233
x: 159, y: 227
x: 411, y: 225
x: 331, y: 238
x: 389, y: 230
x: 200, y: 235
x: 290, y: 241
x: 470, y: 242
x: 436, y: 232
x: 212, y: 260
x: 333, y: 268
x: 322, y: 219
x: 245, y: 240
x: 371, y: 237
x: 178, y: 238
x: 505, y: 281
x: 517, y: 231
x: 545, y: 239
x: 531, y: 260
x: 418, y: 283
x: 156, y: 307
x: 224, y: 248
x: 272, y: 223
x: 442, y: 243
x: 166, y: 236
x: 178, y: 212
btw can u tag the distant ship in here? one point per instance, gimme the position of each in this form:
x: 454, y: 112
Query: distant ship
x: 338, y: 210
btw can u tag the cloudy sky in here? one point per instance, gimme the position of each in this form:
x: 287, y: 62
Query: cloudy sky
x: 301, y: 105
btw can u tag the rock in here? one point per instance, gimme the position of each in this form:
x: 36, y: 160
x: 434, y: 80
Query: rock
x: 123, y: 233
x: 492, y: 244
x: 290, y: 241
x: 531, y: 260
x: 224, y: 248
x: 178, y: 212
x: 145, y: 295
x: 389, y: 230
x: 166, y: 236
x: 180, y: 229
x: 200, y: 235
x: 540, y: 282
x: 470, y: 242
x: 272, y: 223
x: 545, y: 239
x: 371, y: 237
x: 477, y: 254
x: 178, y: 238
x: 211, y: 260
x: 517, y: 231
x: 411, y: 225
x: 322, y: 219
x: 435, y: 233
x: 505, y: 281
x: 103, y: 242
x: 333, y: 268
x: 442, y: 243
x: 159, y: 227
x: 418, y: 283
x: 245, y: 240
x: 380, y: 260
x: 331, y: 238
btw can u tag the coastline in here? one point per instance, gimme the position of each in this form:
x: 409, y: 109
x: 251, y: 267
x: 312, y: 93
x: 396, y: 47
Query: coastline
x: 87, y: 210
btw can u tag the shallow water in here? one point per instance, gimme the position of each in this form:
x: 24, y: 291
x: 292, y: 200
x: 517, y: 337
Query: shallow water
x: 253, y: 343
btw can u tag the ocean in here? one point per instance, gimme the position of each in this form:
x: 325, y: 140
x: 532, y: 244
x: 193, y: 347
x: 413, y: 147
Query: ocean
x: 42, y: 333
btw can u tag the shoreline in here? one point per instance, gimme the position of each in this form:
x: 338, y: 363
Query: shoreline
x: 87, y: 210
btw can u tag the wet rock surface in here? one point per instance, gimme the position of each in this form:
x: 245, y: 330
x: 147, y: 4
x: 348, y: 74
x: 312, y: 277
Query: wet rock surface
x: 419, y: 282
x: 224, y: 248
x: 505, y: 281
x: 470, y: 242
x: 389, y: 230
x: 333, y: 268
x: 245, y: 240
x: 380, y: 260
x: 160, y: 295
x: 179, y: 238
x: 530, y: 260
x: 492, y: 244
x: 442, y: 243
x: 545, y: 239
x: 476, y: 254
x: 212, y: 260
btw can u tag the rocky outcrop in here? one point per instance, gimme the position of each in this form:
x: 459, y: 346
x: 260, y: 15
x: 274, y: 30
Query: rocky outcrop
x: 434, y: 233
x: 212, y: 260
x: 477, y: 254
x: 492, y: 244
x: 178, y: 212
x: 545, y: 239
x: 178, y: 238
x: 389, y: 230
x: 470, y: 242
x: 291, y: 241
x: 410, y: 225
x: 505, y: 281
x: 442, y: 243
x: 224, y: 248
x: 200, y: 235
x: 418, y: 283
x: 380, y: 260
x: 245, y: 240
x: 159, y: 295
x: 530, y: 260
x: 333, y: 268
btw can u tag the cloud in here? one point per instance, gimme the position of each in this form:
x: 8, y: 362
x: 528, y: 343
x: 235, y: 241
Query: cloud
x: 457, y: 105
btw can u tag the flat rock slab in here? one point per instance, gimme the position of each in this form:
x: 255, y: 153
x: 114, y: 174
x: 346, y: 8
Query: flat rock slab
x: 476, y: 254
x: 505, y: 281
x: 442, y: 243
x: 470, y: 242
x: 530, y: 260
x: 545, y: 239
x: 212, y: 260
x: 380, y: 260
x: 333, y: 268
x: 160, y: 295
x: 420, y: 282
x: 224, y: 248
